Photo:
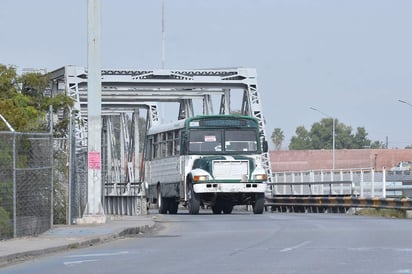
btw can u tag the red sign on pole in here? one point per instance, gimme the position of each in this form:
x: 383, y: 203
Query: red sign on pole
x: 94, y: 160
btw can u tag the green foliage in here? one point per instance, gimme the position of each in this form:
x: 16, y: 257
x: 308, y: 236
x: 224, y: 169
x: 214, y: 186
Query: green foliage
x: 6, y: 194
x: 320, y: 136
x: 23, y: 103
x: 301, y: 140
x: 6, y: 201
x: 6, y: 228
x: 8, y: 82
x: 383, y: 212
x: 60, y: 187
x: 277, y: 138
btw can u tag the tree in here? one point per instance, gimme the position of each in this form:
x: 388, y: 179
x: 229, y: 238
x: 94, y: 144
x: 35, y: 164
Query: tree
x: 24, y: 104
x: 301, y: 140
x: 320, y: 136
x: 277, y: 138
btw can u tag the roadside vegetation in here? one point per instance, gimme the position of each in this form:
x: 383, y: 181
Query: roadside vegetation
x: 25, y: 105
x: 383, y: 212
x: 320, y: 136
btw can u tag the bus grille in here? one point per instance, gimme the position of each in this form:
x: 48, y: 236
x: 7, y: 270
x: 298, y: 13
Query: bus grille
x: 227, y: 170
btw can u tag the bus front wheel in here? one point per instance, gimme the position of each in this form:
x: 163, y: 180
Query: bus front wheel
x: 259, y: 205
x: 194, y: 200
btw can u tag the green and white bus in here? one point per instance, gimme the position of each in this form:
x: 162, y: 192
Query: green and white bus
x: 205, y: 161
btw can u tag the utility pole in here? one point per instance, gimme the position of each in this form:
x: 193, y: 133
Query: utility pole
x: 163, y: 35
x: 94, y: 212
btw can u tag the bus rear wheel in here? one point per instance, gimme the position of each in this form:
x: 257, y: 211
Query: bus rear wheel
x: 162, y: 203
x: 217, y: 208
x: 173, y: 206
x: 194, y: 200
x: 227, y: 208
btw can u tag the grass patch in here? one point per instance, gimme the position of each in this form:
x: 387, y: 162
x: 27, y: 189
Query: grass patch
x: 383, y: 212
x: 73, y: 246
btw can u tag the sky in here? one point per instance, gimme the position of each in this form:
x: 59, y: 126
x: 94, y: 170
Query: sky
x: 350, y: 59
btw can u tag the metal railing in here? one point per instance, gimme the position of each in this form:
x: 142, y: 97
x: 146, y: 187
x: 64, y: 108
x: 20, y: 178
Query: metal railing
x: 363, y: 182
x: 339, y: 190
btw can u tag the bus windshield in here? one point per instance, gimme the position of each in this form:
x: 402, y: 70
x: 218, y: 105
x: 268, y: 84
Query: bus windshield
x: 222, y: 140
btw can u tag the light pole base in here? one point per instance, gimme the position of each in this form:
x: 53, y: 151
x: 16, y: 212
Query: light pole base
x: 97, y: 219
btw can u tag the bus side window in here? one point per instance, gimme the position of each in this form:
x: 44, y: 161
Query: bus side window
x: 169, y: 144
x: 176, y: 143
x: 155, y: 147
x: 162, y: 143
x: 183, y: 144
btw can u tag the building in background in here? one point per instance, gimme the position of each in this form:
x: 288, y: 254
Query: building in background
x: 298, y: 160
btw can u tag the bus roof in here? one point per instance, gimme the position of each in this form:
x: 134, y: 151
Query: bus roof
x: 181, y: 123
x: 166, y: 127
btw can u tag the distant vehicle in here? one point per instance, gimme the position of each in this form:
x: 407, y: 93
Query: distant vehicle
x: 402, y: 166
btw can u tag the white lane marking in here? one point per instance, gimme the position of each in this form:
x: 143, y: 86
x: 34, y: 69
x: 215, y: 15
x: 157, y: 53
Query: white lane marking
x: 79, y: 262
x: 401, y: 271
x: 395, y: 249
x: 295, y: 247
x: 99, y: 254
x: 71, y: 263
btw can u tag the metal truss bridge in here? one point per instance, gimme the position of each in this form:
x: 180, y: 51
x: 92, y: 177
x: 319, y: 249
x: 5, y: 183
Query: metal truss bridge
x: 125, y: 93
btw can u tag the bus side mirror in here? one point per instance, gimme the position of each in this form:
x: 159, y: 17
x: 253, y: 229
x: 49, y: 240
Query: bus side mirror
x: 265, y: 146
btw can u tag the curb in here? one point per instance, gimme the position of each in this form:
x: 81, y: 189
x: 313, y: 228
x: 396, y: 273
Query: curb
x: 81, y: 243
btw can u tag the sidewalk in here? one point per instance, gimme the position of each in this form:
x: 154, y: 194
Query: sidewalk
x: 64, y: 237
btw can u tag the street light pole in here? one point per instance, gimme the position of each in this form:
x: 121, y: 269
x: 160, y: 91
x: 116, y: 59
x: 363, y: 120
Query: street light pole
x: 404, y: 102
x: 333, y: 134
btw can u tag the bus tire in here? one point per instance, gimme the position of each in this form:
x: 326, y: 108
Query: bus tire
x: 194, y: 201
x: 162, y: 203
x: 173, y: 206
x: 217, y: 208
x: 259, y: 205
x: 227, y: 208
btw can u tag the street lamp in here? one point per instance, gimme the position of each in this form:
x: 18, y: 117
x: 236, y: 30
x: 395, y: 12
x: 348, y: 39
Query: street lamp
x: 402, y: 101
x: 333, y: 134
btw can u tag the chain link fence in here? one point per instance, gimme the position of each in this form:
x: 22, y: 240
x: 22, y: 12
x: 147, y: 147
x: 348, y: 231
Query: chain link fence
x: 43, y: 182
x: 26, y: 189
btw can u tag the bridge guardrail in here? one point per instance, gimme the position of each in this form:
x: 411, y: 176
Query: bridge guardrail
x: 346, y: 202
x: 316, y: 188
x: 340, y: 188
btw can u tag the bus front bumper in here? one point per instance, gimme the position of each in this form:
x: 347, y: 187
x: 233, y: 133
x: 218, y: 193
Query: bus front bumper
x: 241, y: 187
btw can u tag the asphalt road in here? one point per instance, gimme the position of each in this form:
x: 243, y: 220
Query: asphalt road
x: 246, y: 243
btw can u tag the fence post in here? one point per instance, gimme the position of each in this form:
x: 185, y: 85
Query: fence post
x: 322, y: 179
x: 13, y: 132
x: 14, y: 187
x: 51, y: 165
x: 71, y: 168
x: 361, y: 183
x: 384, y: 182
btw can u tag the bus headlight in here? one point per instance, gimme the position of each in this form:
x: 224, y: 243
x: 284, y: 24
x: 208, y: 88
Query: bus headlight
x: 198, y: 178
x: 260, y: 177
